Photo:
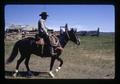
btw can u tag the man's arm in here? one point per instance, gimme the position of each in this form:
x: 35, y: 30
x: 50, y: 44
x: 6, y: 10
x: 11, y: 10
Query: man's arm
x: 44, y: 27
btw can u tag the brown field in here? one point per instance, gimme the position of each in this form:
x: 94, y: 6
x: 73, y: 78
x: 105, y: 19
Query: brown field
x: 93, y: 59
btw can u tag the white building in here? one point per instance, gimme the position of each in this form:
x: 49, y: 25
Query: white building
x: 28, y: 28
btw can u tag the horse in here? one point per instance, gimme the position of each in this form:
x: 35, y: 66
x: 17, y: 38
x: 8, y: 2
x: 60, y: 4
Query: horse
x: 27, y: 46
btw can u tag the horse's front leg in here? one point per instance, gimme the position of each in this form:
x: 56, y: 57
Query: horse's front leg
x: 61, y: 63
x: 51, y: 66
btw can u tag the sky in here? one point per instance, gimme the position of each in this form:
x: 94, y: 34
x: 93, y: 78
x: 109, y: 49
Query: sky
x: 81, y: 17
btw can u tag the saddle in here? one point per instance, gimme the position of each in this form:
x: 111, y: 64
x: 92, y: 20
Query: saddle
x: 40, y: 41
x: 54, y: 41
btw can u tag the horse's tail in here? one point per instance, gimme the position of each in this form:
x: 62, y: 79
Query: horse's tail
x: 14, y: 53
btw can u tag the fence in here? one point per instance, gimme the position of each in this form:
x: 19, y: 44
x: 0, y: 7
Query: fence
x: 89, y: 33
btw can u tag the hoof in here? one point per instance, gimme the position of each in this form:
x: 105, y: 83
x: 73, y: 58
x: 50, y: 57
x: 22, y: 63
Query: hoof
x: 58, y: 69
x: 29, y: 73
x: 15, y: 75
x: 51, y: 74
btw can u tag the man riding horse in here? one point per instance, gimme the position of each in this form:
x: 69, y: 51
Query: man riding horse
x: 43, y: 33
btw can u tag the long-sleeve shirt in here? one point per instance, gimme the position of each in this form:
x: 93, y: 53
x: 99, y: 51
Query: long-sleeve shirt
x: 42, y: 26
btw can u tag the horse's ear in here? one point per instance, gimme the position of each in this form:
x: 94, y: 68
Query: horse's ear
x: 71, y: 29
x: 66, y: 27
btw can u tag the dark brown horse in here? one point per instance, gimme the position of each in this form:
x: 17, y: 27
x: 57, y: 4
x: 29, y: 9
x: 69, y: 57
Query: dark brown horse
x: 27, y: 46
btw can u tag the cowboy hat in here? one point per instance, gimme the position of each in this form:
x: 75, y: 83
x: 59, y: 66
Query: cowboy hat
x: 43, y: 14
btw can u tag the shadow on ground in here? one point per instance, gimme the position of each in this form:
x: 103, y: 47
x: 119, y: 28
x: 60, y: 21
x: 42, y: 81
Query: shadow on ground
x: 25, y: 74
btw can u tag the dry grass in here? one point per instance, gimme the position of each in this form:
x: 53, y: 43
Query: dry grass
x: 93, y: 59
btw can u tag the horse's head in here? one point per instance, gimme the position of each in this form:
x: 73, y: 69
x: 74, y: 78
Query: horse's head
x: 69, y: 35
x: 72, y: 35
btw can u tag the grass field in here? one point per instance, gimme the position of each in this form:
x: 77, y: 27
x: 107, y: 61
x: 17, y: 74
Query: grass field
x: 93, y: 59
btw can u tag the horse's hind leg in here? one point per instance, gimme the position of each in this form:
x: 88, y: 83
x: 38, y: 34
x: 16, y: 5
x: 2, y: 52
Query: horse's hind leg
x: 18, y: 63
x: 27, y: 66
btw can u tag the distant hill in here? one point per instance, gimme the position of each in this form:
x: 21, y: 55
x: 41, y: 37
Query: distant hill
x: 107, y: 33
x: 94, y: 33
